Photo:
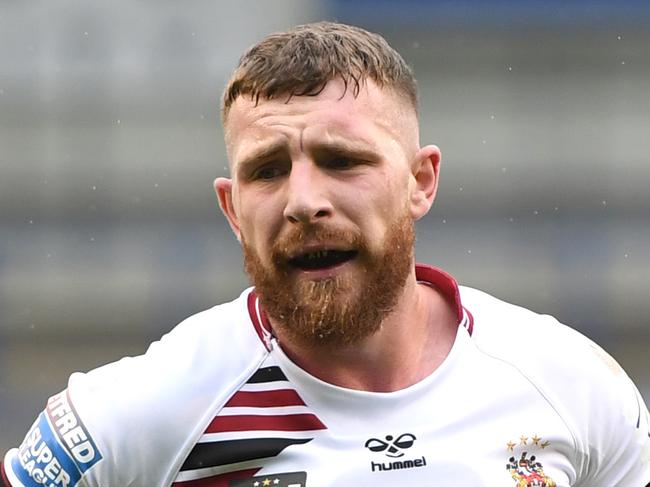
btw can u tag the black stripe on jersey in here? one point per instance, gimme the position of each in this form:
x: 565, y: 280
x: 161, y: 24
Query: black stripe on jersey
x: 267, y: 374
x: 205, y: 455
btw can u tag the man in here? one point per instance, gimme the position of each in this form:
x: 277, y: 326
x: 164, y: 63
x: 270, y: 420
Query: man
x: 347, y: 364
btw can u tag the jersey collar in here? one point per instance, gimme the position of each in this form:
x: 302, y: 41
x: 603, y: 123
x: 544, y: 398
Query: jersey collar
x: 425, y: 274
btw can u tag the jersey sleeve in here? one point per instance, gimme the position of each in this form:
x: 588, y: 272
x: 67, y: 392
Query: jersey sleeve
x: 617, y: 430
x: 133, y: 422
x: 104, y: 429
x: 601, y: 407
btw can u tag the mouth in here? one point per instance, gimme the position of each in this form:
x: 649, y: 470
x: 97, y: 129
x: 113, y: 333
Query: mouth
x: 322, y: 259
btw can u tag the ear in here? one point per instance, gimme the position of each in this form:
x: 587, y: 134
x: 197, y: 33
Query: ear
x: 223, y: 189
x: 425, y: 171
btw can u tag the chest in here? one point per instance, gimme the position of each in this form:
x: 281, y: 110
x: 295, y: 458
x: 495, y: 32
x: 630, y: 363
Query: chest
x: 482, y: 445
x: 414, y: 456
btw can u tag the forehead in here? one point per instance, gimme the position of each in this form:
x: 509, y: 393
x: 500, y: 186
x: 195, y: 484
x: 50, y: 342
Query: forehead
x: 335, y: 112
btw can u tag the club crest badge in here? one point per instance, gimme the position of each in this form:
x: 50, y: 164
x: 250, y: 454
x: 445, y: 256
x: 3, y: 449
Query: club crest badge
x: 525, y: 469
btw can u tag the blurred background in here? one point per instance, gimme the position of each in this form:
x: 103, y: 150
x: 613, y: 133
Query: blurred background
x: 110, y: 140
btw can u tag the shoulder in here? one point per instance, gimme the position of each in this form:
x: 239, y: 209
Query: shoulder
x: 537, y: 344
x: 514, y: 332
x: 169, y: 393
x: 141, y: 415
x: 226, y: 328
x: 220, y: 340
x: 585, y: 386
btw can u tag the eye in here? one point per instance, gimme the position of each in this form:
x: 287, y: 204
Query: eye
x: 268, y: 172
x: 340, y: 162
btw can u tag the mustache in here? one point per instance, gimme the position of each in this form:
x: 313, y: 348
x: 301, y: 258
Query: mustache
x: 296, y: 238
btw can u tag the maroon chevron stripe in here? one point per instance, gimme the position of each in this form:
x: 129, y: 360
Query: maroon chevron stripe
x: 265, y: 399
x: 251, y: 422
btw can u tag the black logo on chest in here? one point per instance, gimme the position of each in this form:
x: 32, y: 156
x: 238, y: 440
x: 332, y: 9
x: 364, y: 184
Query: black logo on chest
x: 394, y: 448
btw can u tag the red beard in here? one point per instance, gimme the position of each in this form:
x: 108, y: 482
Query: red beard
x: 335, y: 311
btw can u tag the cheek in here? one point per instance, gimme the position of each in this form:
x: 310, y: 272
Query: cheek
x: 259, y: 217
x: 390, y: 196
x: 375, y: 207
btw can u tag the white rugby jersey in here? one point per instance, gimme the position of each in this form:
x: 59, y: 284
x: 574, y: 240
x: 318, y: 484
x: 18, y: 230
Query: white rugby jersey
x: 521, y: 400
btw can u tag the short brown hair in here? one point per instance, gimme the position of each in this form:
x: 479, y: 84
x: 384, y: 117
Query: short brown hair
x: 302, y: 60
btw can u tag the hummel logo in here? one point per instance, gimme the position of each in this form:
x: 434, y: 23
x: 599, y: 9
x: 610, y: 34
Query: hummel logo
x: 392, y: 447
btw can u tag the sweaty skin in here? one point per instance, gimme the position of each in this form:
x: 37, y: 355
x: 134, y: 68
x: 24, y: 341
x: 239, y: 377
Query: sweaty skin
x: 350, y: 163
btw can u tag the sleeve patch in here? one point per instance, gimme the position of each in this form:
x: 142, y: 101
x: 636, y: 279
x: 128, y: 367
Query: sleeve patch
x: 58, y: 449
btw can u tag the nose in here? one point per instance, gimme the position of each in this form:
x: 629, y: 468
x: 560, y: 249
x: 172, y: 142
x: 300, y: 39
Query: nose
x: 307, y: 200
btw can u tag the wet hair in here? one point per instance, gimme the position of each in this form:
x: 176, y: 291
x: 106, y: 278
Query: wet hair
x: 302, y: 60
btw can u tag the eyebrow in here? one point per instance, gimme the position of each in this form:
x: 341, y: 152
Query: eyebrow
x: 265, y: 152
x: 361, y: 149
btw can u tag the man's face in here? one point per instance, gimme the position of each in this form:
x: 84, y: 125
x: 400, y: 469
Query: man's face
x: 321, y: 199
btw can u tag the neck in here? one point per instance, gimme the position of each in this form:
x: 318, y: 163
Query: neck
x: 412, y: 342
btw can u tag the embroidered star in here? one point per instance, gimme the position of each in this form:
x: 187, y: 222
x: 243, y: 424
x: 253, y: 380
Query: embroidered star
x: 524, y: 439
x: 256, y: 484
x: 545, y: 444
x: 266, y: 482
x: 536, y: 439
x: 511, y: 446
x: 276, y: 481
